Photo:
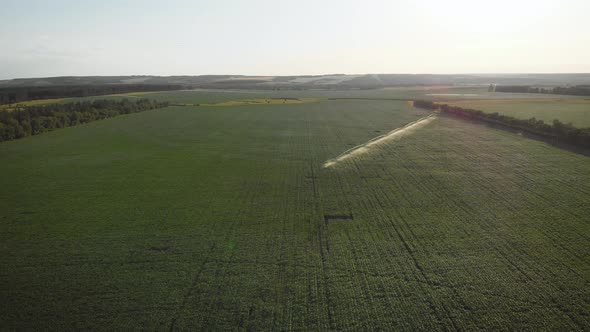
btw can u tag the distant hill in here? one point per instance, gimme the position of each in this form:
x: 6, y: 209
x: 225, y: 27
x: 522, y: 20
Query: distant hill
x: 305, y: 82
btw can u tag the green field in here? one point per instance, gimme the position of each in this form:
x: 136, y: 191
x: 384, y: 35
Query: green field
x: 546, y: 107
x: 224, y: 218
x: 574, y: 110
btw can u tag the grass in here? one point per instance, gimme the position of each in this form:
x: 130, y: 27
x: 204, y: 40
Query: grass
x: 214, y: 218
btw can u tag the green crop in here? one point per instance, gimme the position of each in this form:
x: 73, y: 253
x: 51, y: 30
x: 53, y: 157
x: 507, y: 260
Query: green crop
x: 224, y: 218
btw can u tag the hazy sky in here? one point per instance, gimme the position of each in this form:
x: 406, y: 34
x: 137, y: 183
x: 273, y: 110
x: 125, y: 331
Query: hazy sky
x: 264, y: 37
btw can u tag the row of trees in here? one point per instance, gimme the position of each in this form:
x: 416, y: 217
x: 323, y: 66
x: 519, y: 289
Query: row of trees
x: 33, y: 120
x: 18, y: 94
x: 579, y: 90
x: 557, y: 131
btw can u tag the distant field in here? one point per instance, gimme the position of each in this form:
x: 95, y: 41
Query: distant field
x: 574, y: 110
x: 225, y: 218
x: 133, y: 94
x: 473, y: 93
x: 39, y: 102
x: 207, y: 96
x: 259, y: 101
x: 542, y: 106
x: 11, y: 107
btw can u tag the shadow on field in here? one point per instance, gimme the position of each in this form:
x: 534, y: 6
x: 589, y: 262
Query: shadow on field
x: 333, y: 217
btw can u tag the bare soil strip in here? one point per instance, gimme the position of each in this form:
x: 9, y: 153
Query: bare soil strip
x: 393, y: 135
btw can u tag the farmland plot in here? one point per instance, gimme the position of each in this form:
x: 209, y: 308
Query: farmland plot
x: 219, y: 218
x: 574, y: 110
x: 480, y: 221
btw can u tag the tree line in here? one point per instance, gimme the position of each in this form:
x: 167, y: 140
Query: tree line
x: 18, y: 94
x: 557, y: 131
x: 33, y: 120
x: 578, y: 90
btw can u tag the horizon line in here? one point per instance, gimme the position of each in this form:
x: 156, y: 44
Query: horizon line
x: 327, y: 74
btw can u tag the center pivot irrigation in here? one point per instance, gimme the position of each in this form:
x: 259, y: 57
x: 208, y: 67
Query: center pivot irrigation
x: 391, y: 136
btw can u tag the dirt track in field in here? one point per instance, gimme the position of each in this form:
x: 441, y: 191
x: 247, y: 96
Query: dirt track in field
x: 372, y: 144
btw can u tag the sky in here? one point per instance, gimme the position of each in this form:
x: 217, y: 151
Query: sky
x: 303, y: 37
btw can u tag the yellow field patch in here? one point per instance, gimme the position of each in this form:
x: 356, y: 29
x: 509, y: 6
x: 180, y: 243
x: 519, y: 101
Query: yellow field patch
x: 11, y: 107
